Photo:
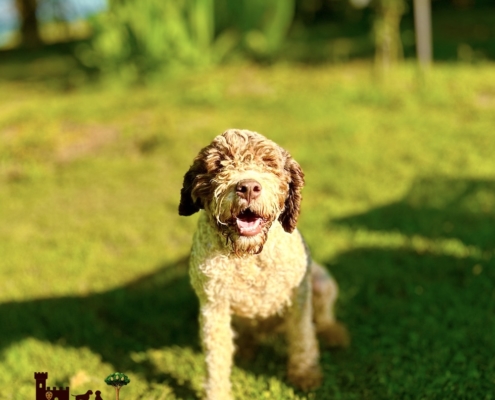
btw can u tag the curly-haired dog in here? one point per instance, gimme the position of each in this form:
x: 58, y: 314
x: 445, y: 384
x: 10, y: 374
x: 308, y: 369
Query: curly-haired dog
x: 248, y: 261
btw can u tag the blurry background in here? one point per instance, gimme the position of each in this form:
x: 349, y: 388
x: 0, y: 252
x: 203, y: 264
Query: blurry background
x: 104, y: 105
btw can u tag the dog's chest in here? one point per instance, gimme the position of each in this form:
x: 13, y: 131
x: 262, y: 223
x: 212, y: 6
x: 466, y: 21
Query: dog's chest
x: 263, y: 287
x: 252, y: 286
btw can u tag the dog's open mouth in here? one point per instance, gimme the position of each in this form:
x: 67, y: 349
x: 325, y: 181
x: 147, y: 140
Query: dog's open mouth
x: 249, y: 223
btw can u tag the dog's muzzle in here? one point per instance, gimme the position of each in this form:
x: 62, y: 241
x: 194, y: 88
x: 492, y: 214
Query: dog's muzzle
x: 248, y: 223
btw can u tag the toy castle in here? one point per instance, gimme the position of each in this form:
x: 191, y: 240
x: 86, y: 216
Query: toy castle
x: 47, y: 393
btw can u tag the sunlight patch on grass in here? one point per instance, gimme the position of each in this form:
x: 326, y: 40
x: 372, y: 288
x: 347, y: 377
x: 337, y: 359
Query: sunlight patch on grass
x: 363, y: 238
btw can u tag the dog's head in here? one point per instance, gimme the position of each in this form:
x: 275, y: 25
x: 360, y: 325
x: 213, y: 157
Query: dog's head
x: 244, y: 182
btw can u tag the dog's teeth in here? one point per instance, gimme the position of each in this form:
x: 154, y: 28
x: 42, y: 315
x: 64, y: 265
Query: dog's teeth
x: 249, y: 228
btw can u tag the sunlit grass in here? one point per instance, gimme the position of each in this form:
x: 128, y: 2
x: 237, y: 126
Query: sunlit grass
x: 398, y: 204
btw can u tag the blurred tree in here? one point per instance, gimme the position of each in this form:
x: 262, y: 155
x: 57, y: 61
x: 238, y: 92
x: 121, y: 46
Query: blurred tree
x: 387, y: 32
x: 422, y: 24
x: 30, y: 36
x: 57, y: 11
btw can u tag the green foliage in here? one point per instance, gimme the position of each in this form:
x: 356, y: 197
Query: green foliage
x: 136, y: 39
x: 117, y: 379
x: 262, y: 25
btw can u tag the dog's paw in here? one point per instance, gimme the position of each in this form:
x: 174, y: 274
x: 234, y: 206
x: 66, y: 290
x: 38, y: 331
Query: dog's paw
x: 307, y: 379
x: 334, y: 334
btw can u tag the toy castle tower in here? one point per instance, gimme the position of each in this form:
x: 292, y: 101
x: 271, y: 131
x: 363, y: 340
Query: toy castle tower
x: 41, y: 378
x: 47, y: 393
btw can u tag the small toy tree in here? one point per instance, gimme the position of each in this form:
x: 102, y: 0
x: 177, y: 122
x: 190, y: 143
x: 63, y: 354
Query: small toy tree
x: 117, y: 380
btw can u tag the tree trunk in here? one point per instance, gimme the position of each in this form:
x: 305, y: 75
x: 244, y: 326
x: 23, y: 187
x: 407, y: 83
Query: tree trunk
x: 30, y: 36
x: 422, y: 23
x: 387, y: 32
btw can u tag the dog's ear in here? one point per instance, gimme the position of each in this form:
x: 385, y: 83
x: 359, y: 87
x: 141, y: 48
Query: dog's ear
x: 197, y: 186
x: 289, y: 216
x: 188, y: 205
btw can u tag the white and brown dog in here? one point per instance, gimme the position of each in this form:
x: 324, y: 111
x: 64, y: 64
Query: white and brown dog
x: 248, y: 261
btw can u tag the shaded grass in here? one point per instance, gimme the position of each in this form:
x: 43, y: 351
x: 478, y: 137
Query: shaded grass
x: 398, y: 204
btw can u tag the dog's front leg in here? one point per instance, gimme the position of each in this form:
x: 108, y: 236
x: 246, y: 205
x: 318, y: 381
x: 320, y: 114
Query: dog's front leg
x: 218, y: 347
x: 303, y: 369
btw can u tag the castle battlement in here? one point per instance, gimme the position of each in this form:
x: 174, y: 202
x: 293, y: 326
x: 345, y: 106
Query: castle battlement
x: 60, y: 389
x: 41, y: 375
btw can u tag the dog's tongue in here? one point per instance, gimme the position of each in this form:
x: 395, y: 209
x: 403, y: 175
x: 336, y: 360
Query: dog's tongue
x: 249, y: 224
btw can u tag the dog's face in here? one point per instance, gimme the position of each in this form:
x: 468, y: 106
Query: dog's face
x: 245, y: 183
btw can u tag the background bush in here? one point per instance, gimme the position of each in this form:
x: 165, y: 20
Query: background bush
x: 138, y: 39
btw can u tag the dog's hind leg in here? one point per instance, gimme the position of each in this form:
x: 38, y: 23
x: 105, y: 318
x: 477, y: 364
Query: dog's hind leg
x: 303, y: 369
x: 325, y: 294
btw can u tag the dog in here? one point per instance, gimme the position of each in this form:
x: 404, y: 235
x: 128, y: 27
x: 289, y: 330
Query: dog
x: 85, y: 396
x: 249, y: 264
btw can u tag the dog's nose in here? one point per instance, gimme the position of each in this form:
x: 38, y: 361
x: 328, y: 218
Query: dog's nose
x: 248, y: 189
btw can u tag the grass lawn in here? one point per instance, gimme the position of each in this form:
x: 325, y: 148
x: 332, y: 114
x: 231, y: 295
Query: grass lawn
x: 399, y: 205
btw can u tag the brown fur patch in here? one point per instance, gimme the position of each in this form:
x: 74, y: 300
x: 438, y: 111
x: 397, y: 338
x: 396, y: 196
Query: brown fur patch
x: 292, y: 209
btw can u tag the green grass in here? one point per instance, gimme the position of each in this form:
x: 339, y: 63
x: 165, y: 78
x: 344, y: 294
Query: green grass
x: 399, y: 205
